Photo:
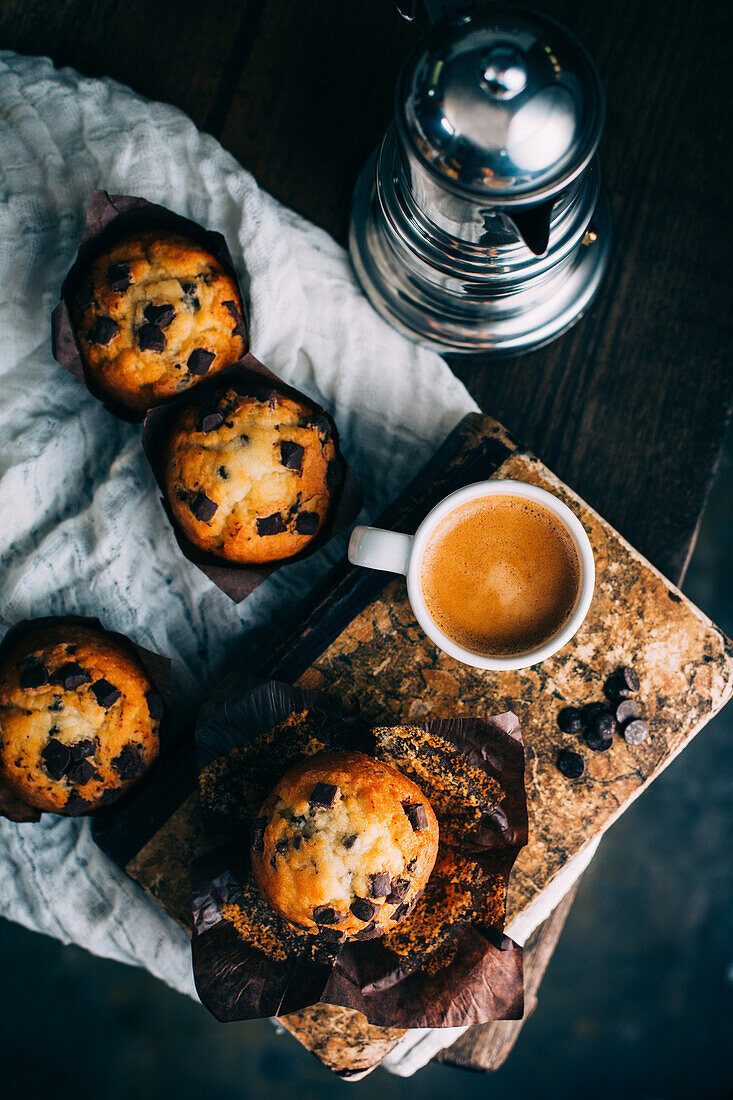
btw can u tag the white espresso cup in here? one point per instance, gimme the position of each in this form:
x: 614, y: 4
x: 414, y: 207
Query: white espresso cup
x: 393, y: 552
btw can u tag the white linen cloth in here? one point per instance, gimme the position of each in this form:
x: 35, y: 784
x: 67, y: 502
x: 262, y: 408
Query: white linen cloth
x: 82, y: 528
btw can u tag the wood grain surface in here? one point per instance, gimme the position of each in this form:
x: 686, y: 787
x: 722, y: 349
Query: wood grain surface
x: 629, y: 407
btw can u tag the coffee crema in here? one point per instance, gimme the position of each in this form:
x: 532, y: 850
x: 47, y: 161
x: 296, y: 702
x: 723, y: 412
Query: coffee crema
x: 500, y: 575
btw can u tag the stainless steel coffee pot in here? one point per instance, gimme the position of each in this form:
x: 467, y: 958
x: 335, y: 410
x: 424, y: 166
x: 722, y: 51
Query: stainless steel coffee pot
x: 480, y: 224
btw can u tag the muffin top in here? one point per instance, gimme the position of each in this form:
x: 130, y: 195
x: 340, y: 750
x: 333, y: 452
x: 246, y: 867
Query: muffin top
x: 250, y: 480
x: 344, y: 846
x: 79, y: 719
x: 154, y: 316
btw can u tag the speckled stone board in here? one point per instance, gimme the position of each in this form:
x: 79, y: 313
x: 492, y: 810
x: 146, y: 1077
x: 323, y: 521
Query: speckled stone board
x: 361, y: 638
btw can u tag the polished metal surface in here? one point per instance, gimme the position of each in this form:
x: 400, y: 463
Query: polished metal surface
x: 480, y: 223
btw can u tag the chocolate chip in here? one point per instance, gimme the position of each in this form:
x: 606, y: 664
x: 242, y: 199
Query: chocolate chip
x: 412, y: 864
x: 350, y: 840
x: 603, y: 727
x: 400, y: 886
x: 56, y: 705
x: 626, y: 710
x: 416, y: 815
x: 331, y: 935
x: 105, y: 693
x: 84, y: 297
x: 362, y: 909
x: 151, y: 338
x: 76, y: 805
x: 291, y: 455
x: 636, y: 732
x: 240, y: 328
x: 223, y: 473
x: 271, y: 525
x: 189, y: 296
x: 629, y: 678
x: 379, y: 884
x: 326, y: 914
x: 334, y: 475
x: 244, y: 439
x: 81, y: 772
x: 80, y: 750
x: 56, y: 759
x: 306, y: 523
x: 595, y: 741
x: 33, y: 674
x: 160, y: 315
x: 367, y: 932
x: 110, y: 795
x: 200, y: 360
x: 156, y: 708
x: 118, y: 277
x: 70, y: 676
x: 281, y: 847
x: 570, y: 764
x: 209, y: 420
x: 401, y: 911
x: 324, y: 796
x: 297, y: 841
x: 616, y: 688
x: 321, y: 423
x: 257, y: 834
x: 592, y: 710
x: 103, y: 331
x: 571, y: 720
x: 203, y: 508
x: 130, y: 763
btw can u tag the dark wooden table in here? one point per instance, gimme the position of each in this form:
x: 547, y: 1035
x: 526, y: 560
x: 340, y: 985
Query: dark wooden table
x: 630, y: 407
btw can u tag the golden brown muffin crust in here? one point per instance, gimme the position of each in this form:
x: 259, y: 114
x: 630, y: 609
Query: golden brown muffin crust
x: 79, y: 719
x: 155, y: 316
x: 344, y: 846
x: 247, y: 479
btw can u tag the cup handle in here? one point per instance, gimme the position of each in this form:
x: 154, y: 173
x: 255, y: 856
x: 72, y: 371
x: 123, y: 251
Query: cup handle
x: 377, y: 549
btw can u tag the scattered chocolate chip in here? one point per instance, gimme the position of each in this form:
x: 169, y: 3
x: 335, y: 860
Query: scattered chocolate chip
x: 80, y: 750
x: 324, y: 796
x: 70, y: 676
x: 306, y: 523
x: 203, y: 508
x: 271, y: 525
x: 379, y: 884
x: 118, y: 277
x: 160, y: 315
x: 257, y: 834
x: 81, y: 772
x: 244, y: 439
x: 189, y: 296
x: 209, y: 420
x: 291, y: 455
x: 604, y: 726
x: 570, y: 764
x: 362, y: 909
x: 629, y: 678
x: 401, y: 911
x: 297, y: 841
x: 349, y: 841
x: 53, y: 731
x: 400, y: 886
x: 321, y: 423
x: 636, y: 732
x: 151, y: 338
x: 616, y: 688
x: 76, y: 805
x: 597, y: 742
x: 130, y: 763
x: 571, y: 720
x: 416, y: 815
x: 368, y: 932
x: 334, y: 474
x: 592, y: 710
x: 412, y: 864
x: 110, y: 795
x: 56, y: 759
x: 326, y: 914
x: 281, y: 847
x: 331, y: 935
x: 199, y: 361
x: 626, y: 710
x: 105, y: 693
x: 223, y: 473
x: 240, y: 329
x: 33, y: 674
x: 103, y: 331
x: 56, y: 705
x: 273, y: 862
x: 156, y: 708
x: 84, y: 297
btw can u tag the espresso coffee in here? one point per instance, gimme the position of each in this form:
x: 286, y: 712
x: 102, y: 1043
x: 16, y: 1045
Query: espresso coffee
x: 500, y: 575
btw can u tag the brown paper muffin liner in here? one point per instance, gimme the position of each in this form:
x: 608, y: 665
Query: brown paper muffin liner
x: 110, y: 217
x: 448, y: 964
x: 158, y: 669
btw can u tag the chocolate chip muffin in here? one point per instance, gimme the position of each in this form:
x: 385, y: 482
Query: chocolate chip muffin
x: 344, y: 846
x: 154, y: 316
x: 78, y: 719
x: 250, y: 479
